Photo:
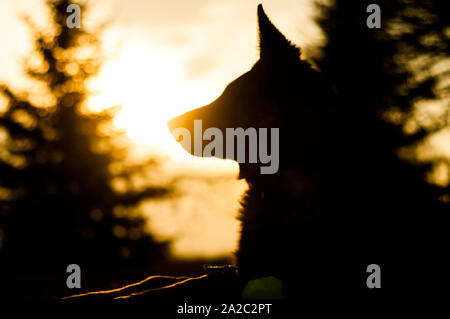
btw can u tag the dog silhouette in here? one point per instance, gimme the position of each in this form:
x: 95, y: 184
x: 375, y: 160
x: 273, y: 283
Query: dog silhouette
x: 281, y: 213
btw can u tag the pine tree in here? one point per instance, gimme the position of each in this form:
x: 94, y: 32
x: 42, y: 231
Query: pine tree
x: 380, y: 75
x: 58, y: 202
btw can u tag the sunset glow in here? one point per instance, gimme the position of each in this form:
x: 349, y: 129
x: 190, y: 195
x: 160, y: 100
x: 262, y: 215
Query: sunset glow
x: 160, y: 63
x: 147, y: 86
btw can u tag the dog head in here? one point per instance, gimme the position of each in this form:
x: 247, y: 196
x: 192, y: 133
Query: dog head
x: 280, y: 91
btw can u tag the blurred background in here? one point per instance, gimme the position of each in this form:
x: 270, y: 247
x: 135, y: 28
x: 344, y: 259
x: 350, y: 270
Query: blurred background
x: 89, y: 173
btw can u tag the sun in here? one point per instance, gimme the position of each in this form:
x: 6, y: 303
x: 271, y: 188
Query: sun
x: 150, y: 86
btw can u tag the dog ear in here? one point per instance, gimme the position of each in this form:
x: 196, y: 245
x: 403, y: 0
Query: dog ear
x: 273, y: 45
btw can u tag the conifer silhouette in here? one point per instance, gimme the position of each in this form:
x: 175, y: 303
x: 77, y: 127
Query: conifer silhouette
x: 58, y: 204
